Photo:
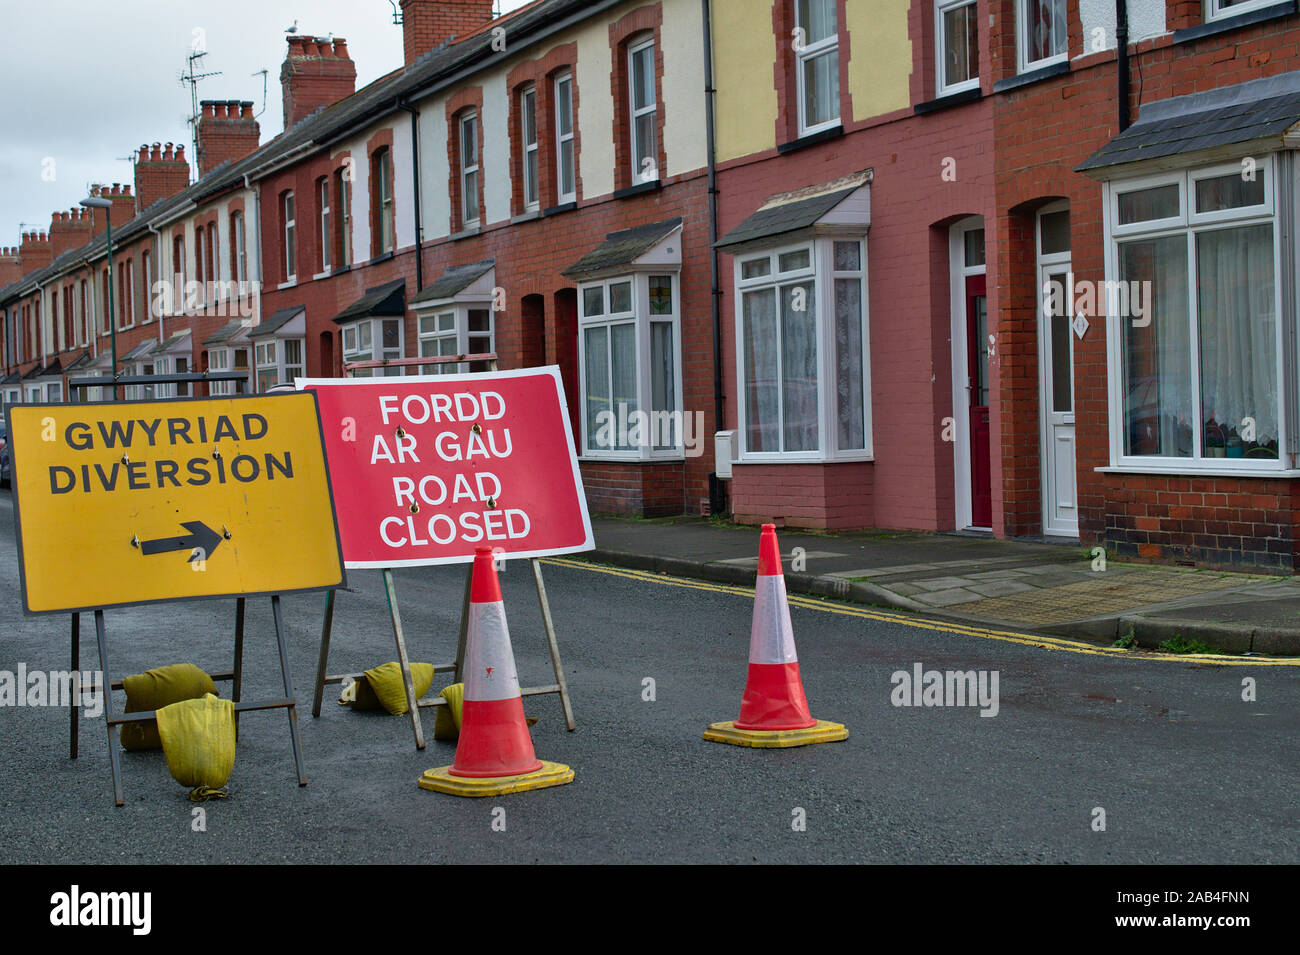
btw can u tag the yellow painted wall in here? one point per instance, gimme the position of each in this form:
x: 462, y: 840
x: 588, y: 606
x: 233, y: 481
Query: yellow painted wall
x: 881, y: 62
x: 744, y: 51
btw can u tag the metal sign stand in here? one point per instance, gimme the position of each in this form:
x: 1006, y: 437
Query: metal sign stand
x: 234, y: 676
x: 560, y: 686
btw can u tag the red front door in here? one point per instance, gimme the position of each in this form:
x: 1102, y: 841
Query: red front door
x: 977, y: 370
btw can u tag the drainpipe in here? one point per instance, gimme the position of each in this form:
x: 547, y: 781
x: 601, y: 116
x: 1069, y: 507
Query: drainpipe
x: 714, y: 291
x: 1121, y: 60
x: 415, y: 178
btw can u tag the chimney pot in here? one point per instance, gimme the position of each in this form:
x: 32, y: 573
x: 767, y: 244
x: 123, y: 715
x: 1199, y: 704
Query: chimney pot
x: 155, y: 154
x: 180, y: 153
x: 341, y: 48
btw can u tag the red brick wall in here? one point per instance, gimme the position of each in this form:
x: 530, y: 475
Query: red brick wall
x: 159, y: 174
x: 428, y: 23
x: 314, y: 75
x: 824, y: 497
x: 227, y: 132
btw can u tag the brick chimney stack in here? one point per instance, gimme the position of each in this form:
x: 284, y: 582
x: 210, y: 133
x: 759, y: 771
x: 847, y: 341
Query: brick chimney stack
x: 427, y: 24
x: 159, y: 174
x: 315, y: 73
x: 68, y: 231
x: 35, y: 251
x: 11, y: 266
x: 227, y: 131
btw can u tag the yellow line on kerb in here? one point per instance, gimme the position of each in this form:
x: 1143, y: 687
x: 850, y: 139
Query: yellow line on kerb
x: 885, y: 616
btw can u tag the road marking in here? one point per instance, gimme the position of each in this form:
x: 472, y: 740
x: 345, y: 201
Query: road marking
x: 885, y: 616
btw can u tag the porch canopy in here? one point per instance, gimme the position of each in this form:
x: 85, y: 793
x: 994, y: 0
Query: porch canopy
x: 627, y: 247
x: 803, y: 213
x: 454, y: 281
x: 1259, y: 116
x: 288, y: 322
x: 382, y: 301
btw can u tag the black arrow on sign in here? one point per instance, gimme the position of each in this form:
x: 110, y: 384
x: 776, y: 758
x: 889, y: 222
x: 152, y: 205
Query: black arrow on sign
x: 200, y: 536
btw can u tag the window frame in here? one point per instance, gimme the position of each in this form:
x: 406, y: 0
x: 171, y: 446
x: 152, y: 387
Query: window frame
x: 823, y: 275
x: 280, y: 363
x: 527, y: 96
x: 1024, y: 63
x: 468, y: 118
x: 562, y: 139
x: 808, y: 52
x: 941, y: 7
x: 288, y: 235
x: 375, y: 348
x: 459, y: 331
x: 633, y: 48
x: 344, y: 217
x: 641, y: 320
x: 385, y: 239
x: 1216, y: 12
x: 324, y: 235
x: 239, y: 266
x: 1188, y: 224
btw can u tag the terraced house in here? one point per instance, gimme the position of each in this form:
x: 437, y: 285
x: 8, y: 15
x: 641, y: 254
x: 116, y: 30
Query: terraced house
x: 1008, y: 267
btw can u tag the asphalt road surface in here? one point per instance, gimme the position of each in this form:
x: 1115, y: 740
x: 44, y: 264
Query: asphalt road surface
x: 1184, y: 769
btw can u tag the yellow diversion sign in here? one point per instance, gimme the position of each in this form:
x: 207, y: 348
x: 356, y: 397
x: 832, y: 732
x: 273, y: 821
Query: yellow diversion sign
x: 134, y: 502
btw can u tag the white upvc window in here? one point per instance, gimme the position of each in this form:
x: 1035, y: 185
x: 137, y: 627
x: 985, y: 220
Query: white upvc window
x: 219, y: 361
x: 374, y: 339
x: 456, y: 329
x: 1043, y: 27
x: 565, y: 160
x: 641, y: 90
x: 1222, y: 9
x: 343, y: 178
x: 803, y: 356
x: 1200, y: 377
x: 818, y: 68
x: 241, y: 260
x: 528, y: 136
x: 279, y: 362
x: 956, y: 34
x: 629, y: 339
x: 290, y: 246
x: 469, y: 169
x: 326, y: 237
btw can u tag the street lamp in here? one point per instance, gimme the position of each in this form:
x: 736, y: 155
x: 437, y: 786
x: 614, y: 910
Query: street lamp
x: 99, y: 202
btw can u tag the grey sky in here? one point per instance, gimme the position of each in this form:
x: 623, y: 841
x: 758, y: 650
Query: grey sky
x: 87, y: 82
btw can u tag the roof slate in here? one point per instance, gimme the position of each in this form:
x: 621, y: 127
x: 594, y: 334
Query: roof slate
x: 386, y: 299
x: 622, y: 248
x: 455, y: 280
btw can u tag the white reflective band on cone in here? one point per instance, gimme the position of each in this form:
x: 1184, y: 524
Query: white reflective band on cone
x: 489, y: 663
x: 771, y: 639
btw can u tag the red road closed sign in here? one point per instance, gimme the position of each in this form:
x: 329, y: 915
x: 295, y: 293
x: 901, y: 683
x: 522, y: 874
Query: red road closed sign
x: 425, y: 469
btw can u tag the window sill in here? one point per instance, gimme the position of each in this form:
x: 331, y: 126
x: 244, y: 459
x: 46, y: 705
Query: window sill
x: 653, y: 185
x: 1031, y: 76
x: 341, y: 269
x: 381, y: 257
x: 322, y: 275
x: 947, y: 100
x: 812, y: 139
x: 464, y: 233
x: 562, y: 207
x: 800, y: 459
x: 292, y: 283
x: 1196, y: 472
x: 1235, y: 22
x: 527, y: 216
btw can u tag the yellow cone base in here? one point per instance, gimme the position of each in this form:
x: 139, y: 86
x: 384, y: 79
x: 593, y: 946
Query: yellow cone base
x: 823, y: 732
x: 441, y: 781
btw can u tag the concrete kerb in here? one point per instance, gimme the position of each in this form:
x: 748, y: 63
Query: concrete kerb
x: 1148, y: 632
x: 722, y: 573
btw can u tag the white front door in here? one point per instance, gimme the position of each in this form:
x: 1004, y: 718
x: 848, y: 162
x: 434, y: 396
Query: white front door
x: 1056, y: 373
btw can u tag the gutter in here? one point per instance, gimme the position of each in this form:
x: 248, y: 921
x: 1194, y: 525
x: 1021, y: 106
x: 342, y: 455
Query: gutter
x: 401, y: 104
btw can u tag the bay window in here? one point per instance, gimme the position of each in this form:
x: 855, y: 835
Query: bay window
x: 1196, y: 344
x: 456, y: 330
x: 803, y: 356
x: 818, y: 65
x: 373, y: 339
x: 279, y: 362
x: 957, y: 35
x: 629, y: 340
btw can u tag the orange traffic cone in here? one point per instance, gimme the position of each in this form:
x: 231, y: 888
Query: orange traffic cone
x: 774, y: 711
x: 494, y: 754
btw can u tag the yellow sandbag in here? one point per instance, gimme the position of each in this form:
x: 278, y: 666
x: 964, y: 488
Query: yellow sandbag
x: 446, y: 725
x: 386, y: 681
x: 154, y: 689
x: 198, y: 740
x: 359, y: 696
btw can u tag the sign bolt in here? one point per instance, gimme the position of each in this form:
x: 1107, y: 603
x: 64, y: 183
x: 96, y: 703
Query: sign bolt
x: 491, y: 503
x: 477, y: 429
x: 415, y: 507
x: 125, y: 459
x: 225, y: 532
x: 135, y: 540
x: 401, y: 433
x: 216, y: 454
